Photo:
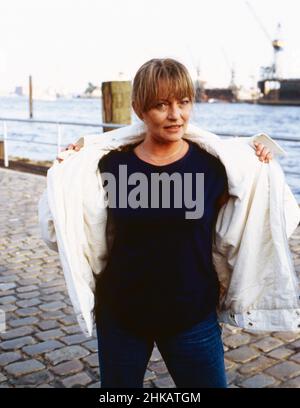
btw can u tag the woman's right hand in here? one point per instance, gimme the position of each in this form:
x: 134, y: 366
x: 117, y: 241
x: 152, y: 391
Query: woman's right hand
x: 71, y: 146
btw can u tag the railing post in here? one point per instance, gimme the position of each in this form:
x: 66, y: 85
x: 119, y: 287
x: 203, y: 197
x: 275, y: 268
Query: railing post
x: 30, y: 98
x: 59, y: 136
x: 5, y: 147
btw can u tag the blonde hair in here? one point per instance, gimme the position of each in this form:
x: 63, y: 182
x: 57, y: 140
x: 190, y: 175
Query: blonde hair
x: 158, y: 72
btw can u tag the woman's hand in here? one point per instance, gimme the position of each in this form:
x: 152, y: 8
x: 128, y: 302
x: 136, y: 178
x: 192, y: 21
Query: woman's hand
x: 71, y: 146
x: 263, y: 152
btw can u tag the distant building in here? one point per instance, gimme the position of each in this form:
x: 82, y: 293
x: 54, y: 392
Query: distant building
x: 19, y: 91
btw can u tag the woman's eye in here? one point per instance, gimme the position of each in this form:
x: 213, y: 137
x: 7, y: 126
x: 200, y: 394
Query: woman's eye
x: 161, y: 105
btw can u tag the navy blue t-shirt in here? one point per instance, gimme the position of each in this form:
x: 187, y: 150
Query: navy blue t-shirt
x: 160, y: 278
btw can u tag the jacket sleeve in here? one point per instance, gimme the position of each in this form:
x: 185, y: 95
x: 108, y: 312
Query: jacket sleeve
x: 291, y: 207
x: 46, y: 223
x: 291, y: 211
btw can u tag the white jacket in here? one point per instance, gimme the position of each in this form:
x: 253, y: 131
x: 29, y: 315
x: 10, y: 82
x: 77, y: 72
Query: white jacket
x: 259, y: 289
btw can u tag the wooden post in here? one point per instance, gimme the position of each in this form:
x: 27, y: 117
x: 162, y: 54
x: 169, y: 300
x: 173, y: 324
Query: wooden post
x: 1, y: 150
x: 30, y: 98
x: 116, y: 103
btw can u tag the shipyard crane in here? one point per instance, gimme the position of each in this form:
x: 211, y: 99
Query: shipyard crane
x: 199, y: 83
x: 230, y: 65
x: 271, y: 72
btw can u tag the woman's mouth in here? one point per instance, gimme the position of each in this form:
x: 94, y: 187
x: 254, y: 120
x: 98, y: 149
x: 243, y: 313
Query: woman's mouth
x: 173, y: 128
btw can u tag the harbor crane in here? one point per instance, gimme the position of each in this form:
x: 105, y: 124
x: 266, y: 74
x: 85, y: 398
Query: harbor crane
x: 270, y: 72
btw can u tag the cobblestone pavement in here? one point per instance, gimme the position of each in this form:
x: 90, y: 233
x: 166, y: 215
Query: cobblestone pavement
x: 43, y: 345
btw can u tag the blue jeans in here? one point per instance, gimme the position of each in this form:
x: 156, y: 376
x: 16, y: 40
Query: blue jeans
x: 194, y: 357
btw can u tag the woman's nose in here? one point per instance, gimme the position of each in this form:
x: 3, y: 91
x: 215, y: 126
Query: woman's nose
x: 174, y: 111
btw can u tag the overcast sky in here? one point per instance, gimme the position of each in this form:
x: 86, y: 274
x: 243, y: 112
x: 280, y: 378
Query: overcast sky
x: 67, y: 43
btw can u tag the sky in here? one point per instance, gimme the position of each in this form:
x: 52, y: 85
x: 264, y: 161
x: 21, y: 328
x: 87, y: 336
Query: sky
x: 64, y: 44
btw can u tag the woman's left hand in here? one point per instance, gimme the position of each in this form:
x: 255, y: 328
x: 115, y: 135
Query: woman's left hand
x: 263, y: 152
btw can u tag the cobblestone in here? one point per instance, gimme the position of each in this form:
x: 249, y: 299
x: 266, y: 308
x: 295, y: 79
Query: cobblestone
x: 19, y: 332
x: 296, y: 358
x: 242, y: 354
x: 68, y: 320
x: 158, y: 367
x: 28, y: 295
x: 52, y: 307
x: 95, y: 385
x: 257, y: 365
x: 50, y: 298
x: 53, y: 315
x: 16, y: 343
x: 237, y: 340
x: 23, y: 322
x: 234, y: 377
x: 9, y: 308
x: 6, y: 286
x: 285, y: 370
x: 149, y: 375
x: 268, y: 344
x: 91, y: 345
x: 7, y: 299
x: 45, y: 386
x: 74, y: 339
x: 286, y: 336
x: 43, y: 346
x: 72, y: 329
x: 164, y: 382
x: 155, y: 356
x: 7, y: 293
x: 70, y: 367
x: 295, y: 345
x: 49, y: 291
x: 92, y: 360
x: 50, y: 334
x: 2, y: 378
x: 28, y: 303
x: 66, y: 353
x: 294, y: 383
x: 280, y: 353
x: 28, y: 282
x: 10, y: 278
x: 48, y: 324
x: 258, y: 381
x: 27, y: 288
x: 35, y: 379
x: 24, y: 367
x: 10, y: 357
x: 81, y: 380
x: 28, y: 311
x: 52, y: 282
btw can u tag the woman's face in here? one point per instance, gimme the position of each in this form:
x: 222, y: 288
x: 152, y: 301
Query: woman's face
x: 167, y: 120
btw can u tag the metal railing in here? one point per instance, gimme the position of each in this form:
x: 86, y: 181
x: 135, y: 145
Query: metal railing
x: 59, y: 125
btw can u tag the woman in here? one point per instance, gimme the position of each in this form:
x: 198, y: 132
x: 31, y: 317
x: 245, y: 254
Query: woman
x: 159, y: 283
